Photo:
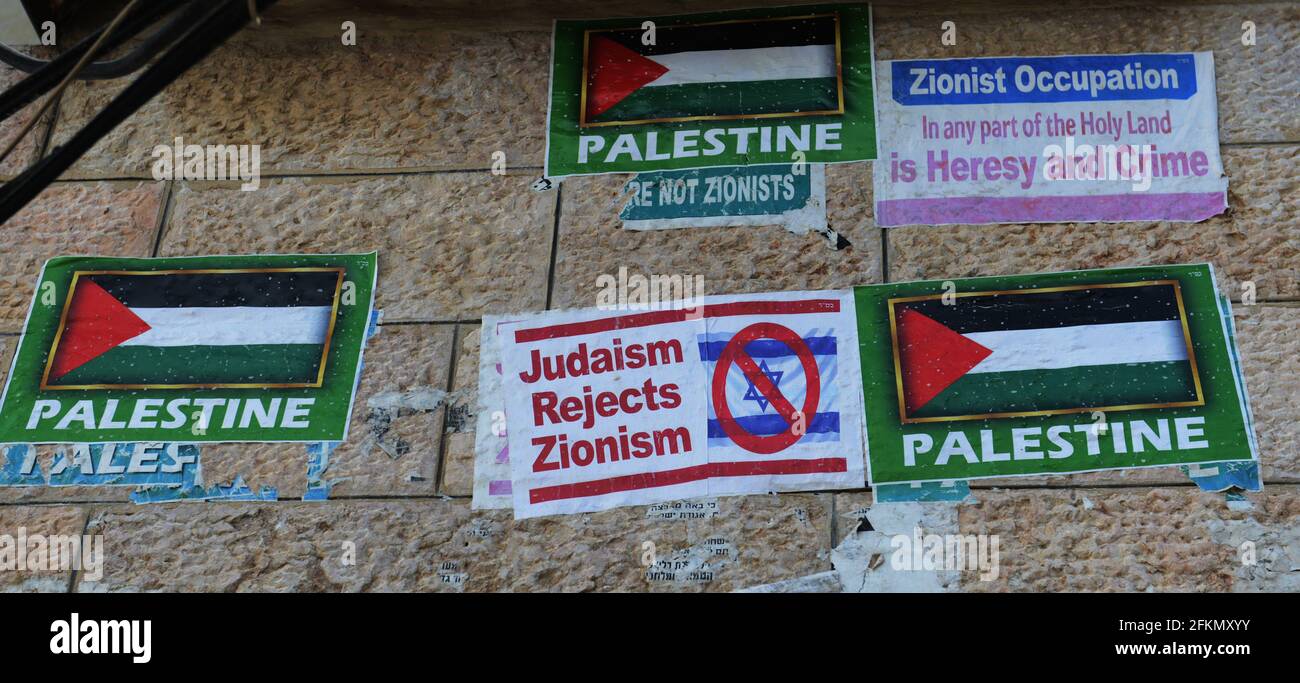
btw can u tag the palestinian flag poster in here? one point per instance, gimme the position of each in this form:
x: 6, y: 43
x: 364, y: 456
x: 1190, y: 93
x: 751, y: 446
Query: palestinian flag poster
x: 1050, y: 373
x: 189, y: 350
x: 730, y: 88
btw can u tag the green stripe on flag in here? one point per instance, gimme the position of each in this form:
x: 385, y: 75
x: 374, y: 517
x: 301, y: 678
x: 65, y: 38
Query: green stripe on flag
x: 726, y: 99
x: 246, y: 364
x: 1095, y: 386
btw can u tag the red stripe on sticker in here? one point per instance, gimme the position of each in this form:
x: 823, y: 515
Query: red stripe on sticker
x: 623, y: 322
x: 633, y: 482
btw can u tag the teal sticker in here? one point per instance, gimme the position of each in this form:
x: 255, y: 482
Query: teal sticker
x: 789, y: 195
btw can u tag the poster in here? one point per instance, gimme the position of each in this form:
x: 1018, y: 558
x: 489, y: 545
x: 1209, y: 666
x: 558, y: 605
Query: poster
x: 492, y: 487
x: 1049, y: 373
x: 741, y: 394
x: 755, y: 86
x: 189, y: 350
x: 790, y: 195
x: 1087, y: 138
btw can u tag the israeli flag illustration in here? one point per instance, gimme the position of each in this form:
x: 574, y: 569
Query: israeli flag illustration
x: 752, y: 409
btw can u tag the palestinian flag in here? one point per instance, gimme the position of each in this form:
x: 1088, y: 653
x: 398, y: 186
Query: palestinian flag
x: 202, y: 328
x: 1034, y: 352
x: 723, y: 70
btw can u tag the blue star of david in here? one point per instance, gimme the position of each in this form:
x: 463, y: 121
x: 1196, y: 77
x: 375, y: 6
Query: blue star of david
x: 753, y: 394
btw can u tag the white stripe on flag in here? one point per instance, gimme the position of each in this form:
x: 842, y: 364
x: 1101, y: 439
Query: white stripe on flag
x: 232, y: 325
x: 1052, y: 348
x: 757, y: 64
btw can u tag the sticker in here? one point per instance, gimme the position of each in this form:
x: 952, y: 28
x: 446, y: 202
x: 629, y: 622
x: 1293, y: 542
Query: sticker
x: 744, y: 394
x: 789, y: 195
x: 1087, y: 138
x: 1051, y: 373
x: 189, y: 350
x: 740, y: 87
x: 492, y: 489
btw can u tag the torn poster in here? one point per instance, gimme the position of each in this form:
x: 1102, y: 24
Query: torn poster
x: 790, y: 195
x: 318, y: 463
x: 19, y: 466
x: 193, y: 349
x: 492, y: 488
x: 237, y: 490
x: 739, y: 394
x: 1226, y: 476
x: 755, y: 86
x: 1088, y: 138
x: 126, y: 464
x: 1050, y: 373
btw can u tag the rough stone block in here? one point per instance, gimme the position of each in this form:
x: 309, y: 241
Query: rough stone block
x: 462, y: 415
x: 451, y: 246
x: 442, y: 545
x: 440, y: 100
x: 1163, y: 539
x: 393, y: 440
x: 345, y: 546
x: 45, y: 522
x: 752, y: 540
x: 1270, y: 352
x: 731, y: 260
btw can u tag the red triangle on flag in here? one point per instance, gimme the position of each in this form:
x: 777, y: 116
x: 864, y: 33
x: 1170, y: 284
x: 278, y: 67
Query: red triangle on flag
x: 96, y: 322
x: 614, y: 72
x: 932, y: 356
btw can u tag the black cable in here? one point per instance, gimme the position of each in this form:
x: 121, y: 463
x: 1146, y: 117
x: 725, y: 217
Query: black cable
x: 125, y: 65
x: 218, y: 24
x: 27, y: 90
x: 67, y: 80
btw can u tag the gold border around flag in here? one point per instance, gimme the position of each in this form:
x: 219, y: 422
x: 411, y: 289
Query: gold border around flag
x: 63, y: 320
x: 839, y: 77
x: 1182, y: 318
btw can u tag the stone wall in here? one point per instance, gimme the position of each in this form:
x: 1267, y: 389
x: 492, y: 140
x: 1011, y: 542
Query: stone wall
x: 387, y: 145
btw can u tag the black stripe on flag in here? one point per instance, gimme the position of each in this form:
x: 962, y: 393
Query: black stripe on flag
x: 730, y: 35
x: 1099, y: 306
x: 249, y: 288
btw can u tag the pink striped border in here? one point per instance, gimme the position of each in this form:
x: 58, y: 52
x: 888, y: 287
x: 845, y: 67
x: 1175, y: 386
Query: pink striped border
x: 1175, y: 206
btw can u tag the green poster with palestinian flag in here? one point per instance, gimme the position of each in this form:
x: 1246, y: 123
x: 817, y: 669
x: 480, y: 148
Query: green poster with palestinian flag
x: 195, y: 349
x: 761, y: 86
x: 1050, y: 373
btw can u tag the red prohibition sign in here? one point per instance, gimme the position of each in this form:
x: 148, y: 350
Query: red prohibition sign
x: 734, y: 352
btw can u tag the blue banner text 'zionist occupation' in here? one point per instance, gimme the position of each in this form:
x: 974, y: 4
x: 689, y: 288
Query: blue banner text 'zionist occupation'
x: 1076, y: 78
